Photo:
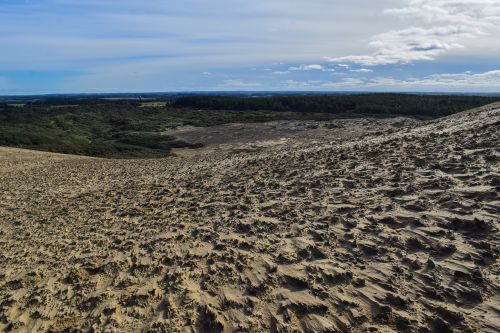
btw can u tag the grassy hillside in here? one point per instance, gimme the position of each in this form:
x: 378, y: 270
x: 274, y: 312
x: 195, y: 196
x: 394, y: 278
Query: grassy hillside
x: 114, y: 129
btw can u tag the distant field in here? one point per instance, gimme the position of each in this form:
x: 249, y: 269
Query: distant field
x: 129, y: 128
x: 153, y: 104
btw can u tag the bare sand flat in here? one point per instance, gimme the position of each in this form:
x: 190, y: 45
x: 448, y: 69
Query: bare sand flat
x: 389, y: 231
x: 251, y: 137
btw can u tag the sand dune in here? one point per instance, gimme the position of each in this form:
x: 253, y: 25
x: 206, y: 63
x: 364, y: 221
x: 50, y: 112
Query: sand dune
x: 388, y: 232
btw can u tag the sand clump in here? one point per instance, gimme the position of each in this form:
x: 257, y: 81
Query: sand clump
x: 394, y: 231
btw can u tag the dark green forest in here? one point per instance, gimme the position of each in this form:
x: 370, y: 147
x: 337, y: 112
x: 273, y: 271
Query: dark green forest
x: 364, y: 104
x: 130, y: 127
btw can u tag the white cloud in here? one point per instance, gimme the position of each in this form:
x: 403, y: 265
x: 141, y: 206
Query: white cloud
x: 289, y: 82
x: 280, y: 72
x: 442, y: 26
x: 345, y: 83
x: 233, y: 83
x: 479, y: 13
x: 490, y: 79
x: 362, y: 70
x: 322, y: 85
x: 313, y: 67
x: 486, y: 81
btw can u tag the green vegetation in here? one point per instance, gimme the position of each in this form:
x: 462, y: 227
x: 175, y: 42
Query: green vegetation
x: 114, y: 129
x: 130, y: 128
x: 365, y: 104
x: 106, y: 130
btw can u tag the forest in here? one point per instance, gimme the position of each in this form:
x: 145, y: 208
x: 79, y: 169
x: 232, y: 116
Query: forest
x: 423, y: 106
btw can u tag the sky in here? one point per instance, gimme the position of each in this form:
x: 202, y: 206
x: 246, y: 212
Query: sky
x: 109, y: 46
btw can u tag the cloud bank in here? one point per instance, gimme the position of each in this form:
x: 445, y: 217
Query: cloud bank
x: 442, y: 25
x: 489, y: 80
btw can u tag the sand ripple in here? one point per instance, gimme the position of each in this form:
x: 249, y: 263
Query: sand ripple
x: 397, y: 231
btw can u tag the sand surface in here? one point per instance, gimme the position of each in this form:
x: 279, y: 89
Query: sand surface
x: 252, y: 137
x: 394, y: 230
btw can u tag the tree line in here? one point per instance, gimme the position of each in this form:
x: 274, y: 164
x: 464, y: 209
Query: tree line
x: 362, y: 104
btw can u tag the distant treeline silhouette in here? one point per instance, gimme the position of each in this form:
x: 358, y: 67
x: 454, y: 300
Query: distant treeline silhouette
x: 374, y: 104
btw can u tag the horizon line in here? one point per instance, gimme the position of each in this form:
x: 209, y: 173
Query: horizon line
x: 216, y: 92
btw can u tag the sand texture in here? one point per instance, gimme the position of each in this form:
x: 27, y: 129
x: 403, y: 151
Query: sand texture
x: 389, y: 231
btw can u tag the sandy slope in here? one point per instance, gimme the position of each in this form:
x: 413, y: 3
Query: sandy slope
x: 392, y: 232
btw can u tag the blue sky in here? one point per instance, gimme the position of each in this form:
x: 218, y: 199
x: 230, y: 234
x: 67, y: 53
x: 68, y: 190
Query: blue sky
x: 70, y: 46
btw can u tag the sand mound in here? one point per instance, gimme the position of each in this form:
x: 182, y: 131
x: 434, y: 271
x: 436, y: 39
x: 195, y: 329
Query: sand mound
x: 392, y: 232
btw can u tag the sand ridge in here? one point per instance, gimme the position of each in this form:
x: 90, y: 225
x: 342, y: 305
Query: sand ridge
x: 393, y: 231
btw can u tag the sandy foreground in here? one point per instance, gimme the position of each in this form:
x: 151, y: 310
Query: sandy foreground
x: 387, y: 231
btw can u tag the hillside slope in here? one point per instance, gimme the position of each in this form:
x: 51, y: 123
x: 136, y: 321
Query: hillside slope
x: 392, y: 232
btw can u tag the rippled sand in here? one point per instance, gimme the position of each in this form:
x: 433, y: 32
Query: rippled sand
x: 387, y: 231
